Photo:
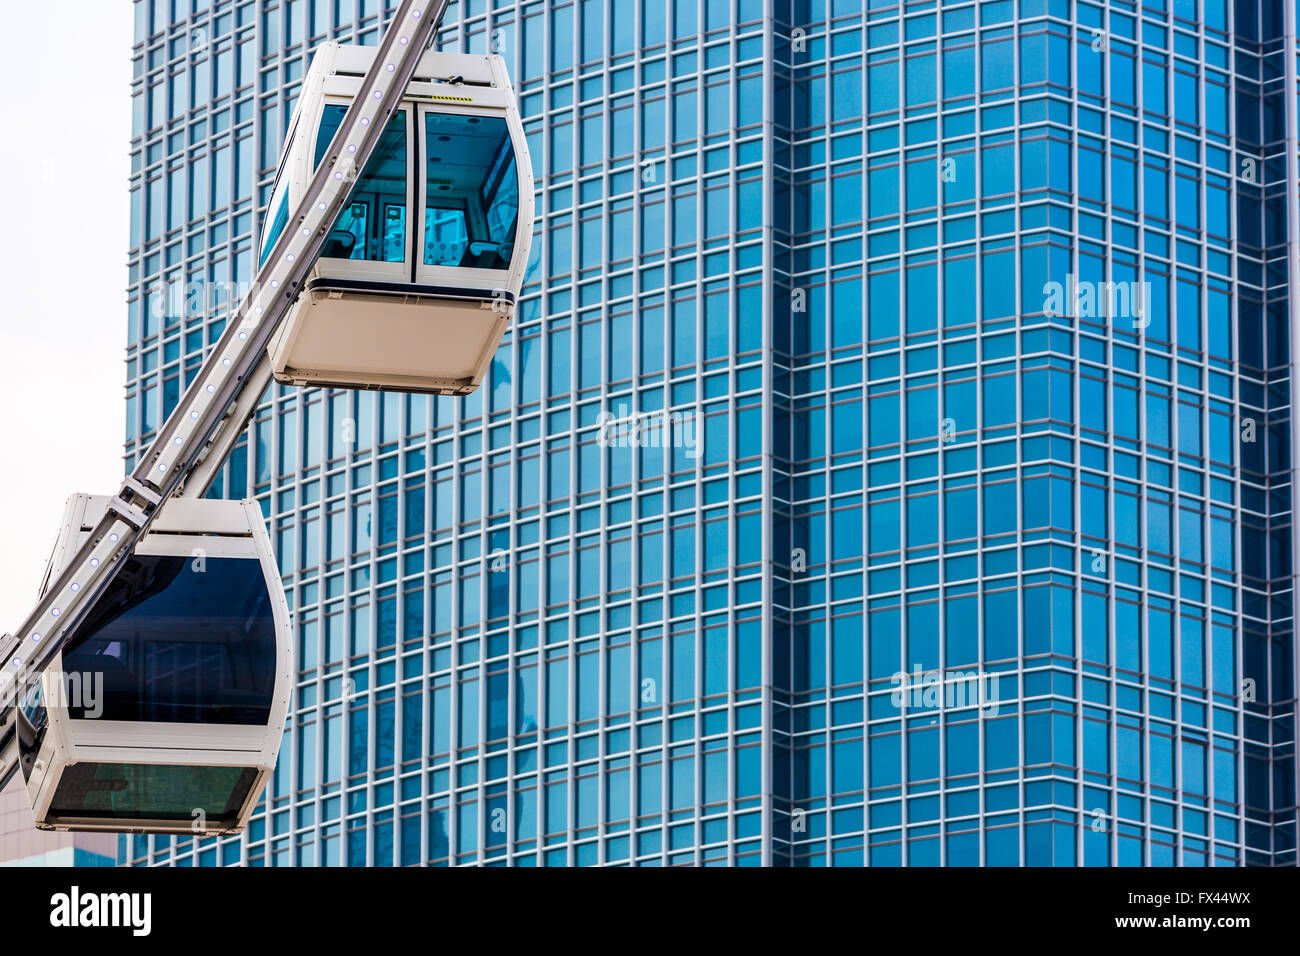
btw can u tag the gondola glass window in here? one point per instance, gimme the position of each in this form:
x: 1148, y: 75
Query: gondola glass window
x: 471, y: 192
x: 373, y: 225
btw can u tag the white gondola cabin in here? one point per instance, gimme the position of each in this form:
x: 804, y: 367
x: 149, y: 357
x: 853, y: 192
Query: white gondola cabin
x: 164, y: 710
x: 417, y: 280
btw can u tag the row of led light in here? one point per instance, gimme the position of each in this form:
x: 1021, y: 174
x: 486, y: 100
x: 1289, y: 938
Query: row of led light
x: 227, y: 361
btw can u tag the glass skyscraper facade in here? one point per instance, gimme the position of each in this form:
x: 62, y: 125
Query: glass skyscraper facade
x: 1054, y: 455
x: 889, y: 462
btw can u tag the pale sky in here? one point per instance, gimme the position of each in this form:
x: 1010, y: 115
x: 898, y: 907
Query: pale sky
x: 65, y: 112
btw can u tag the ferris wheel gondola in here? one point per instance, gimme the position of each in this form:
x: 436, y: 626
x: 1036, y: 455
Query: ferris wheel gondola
x: 418, y: 278
x: 164, y: 710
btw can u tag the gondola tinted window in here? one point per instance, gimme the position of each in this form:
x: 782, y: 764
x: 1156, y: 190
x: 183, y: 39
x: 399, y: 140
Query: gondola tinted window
x: 277, y: 208
x: 471, y: 192
x: 115, y: 791
x: 280, y: 204
x: 178, y: 639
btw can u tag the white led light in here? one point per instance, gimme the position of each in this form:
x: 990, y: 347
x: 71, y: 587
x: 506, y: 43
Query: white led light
x: 338, y: 176
x: 243, y: 336
x: 275, y: 283
x: 307, y: 232
x: 211, y: 389
x: 75, y: 586
x: 94, y: 562
x: 178, y: 442
x: 226, y: 362
x: 36, y: 638
x: 391, y: 68
x: 320, y: 206
x: 194, y: 415
x: 164, y: 467
x: 259, y: 310
x: 113, y: 536
x: 54, y: 612
x: 365, y: 121
x: 379, y: 94
x: 291, y: 257
x: 416, y: 14
x: 18, y: 662
x: 403, y: 41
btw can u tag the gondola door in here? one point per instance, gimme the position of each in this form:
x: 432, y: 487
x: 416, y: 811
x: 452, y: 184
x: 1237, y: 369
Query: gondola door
x: 469, y: 200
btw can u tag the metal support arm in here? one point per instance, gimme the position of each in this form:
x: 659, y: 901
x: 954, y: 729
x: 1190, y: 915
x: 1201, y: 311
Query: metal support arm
x: 203, y: 427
